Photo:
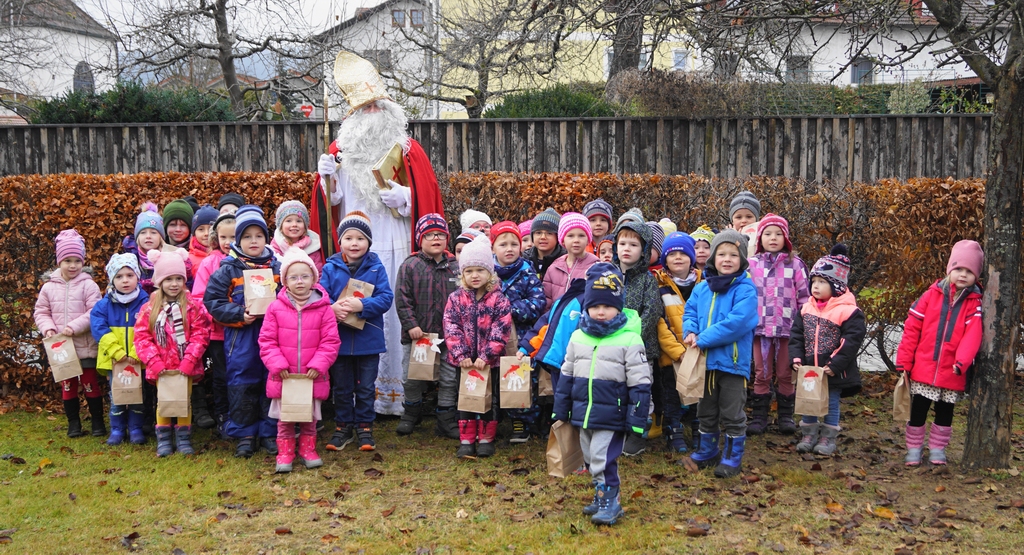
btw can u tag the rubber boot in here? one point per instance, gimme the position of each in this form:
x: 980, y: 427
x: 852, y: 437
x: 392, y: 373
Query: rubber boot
x: 72, y: 408
x: 487, y: 433
x: 608, y: 508
x: 307, y: 450
x: 759, y: 414
x: 808, y: 437
x: 183, y: 440
x: 448, y: 423
x: 200, y: 411
x: 591, y: 509
x: 164, y: 441
x: 707, y: 451
x: 467, y: 438
x: 674, y: 436
x: 99, y: 428
x: 826, y: 440
x: 732, y: 457
x: 938, y: 439
x: 118, y: 426
x: 410, y: 418
x: 285, y: 454
x: 135, y: 433
x: 787, y: 404
x: 655, y: 426
x: 915, y: 439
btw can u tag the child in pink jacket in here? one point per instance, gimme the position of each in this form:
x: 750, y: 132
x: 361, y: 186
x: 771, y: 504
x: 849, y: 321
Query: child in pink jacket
x: 64, y: 306
x: 299, y: 336
x: 171, y: 333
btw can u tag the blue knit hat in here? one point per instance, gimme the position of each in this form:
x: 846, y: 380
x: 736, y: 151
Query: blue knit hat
x: 250, y: 215
x: 206, y: 215
x: 149, y: 219
x: 679, y: 242
x: 604, y: 286
x: 358, y: 221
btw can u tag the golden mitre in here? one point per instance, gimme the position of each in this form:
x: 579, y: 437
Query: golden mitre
x: 358, y: 81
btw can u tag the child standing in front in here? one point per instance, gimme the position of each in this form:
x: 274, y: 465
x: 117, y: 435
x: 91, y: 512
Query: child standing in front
x: 939, y: 363
x: 171, y: 334
x: 605, y: 385
x: 720, y: 319
x: 149, y: 234
x: 65, y: 300
x: 299, y: 336
x: 828, y: 334
x: 354, y: 373
x: 292, y: 221
x: 112, y: 322
x: 202, y: 230
x: 477, y: 324
x: 574, y: 235
x: 780, y: 277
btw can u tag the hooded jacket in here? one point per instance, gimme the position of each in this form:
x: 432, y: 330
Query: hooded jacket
x: 295, y: 340
x: 334, y: 279
x: 541, y: 265
x: 68, y: 303
x: 724, y: 324
x: 525, y: 294
x: 113, y: 328
x: 549, y: 338
x: 558, y: 276
x: 206, y: 268
x: 477, y: 328
x: 642, y: 293
x: 782, y: 289
x: 156, y: 359
x: 670, y: 326
x: 830, y: 336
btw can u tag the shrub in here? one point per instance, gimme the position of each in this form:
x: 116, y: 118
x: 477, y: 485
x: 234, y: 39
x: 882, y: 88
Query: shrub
x: 131, y: 102
x: 559, y: 101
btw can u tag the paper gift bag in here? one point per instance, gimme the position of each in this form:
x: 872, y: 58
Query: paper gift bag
x: 513, y: 342
x: 296, y: 399
x: 690, y: 373
x: 812, y: 392
x: 901, y: 400
x: 425, y: 358
x: 172, y: 398
x: 475, y: 390
x: 564, y: 452
x: 359, y: 290
x: 126, y: 383
x: 60, y: 351
x: 260, y: 290
x: 544, y: 385
x: 515, y: 385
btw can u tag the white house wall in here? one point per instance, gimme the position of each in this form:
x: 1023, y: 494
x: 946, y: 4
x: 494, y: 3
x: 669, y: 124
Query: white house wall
x: 50, y: 57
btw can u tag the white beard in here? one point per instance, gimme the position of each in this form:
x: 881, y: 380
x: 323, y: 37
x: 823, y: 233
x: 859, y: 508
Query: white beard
x: 363, y: 139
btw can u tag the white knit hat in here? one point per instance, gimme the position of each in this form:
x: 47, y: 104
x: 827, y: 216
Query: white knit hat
x: 293, y: 255
x: 477, y: 254
x: 470, y: 217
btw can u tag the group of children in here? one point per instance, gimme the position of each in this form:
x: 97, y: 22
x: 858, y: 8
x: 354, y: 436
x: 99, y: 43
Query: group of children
x: 604, y: 307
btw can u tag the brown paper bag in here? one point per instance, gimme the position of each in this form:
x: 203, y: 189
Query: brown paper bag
x: 690, y: 373
x: 513, y: 342
x: 544, y: 385
x: 260, y: 290
x: 359, y: 290
x: 296, y: 399
x: 812, y: 392
x: 475, y: 390
x: 901, y: 400
x: 126, y: 383
x: 172, y: 398
x: 425, y: 358
x: 64, y: 363
x: 515, y: 387
x: 564, y: 452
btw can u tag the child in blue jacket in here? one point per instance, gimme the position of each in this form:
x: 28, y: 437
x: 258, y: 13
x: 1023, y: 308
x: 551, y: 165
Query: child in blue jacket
x: 354, y: 373
x: 720, y: 318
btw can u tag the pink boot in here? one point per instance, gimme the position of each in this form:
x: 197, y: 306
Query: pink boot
x: 285, y: 453
x: 938, y: 439
x: 915, y: 439
x: 487, y: 431
x: 467, y: 439
x: 307, y: 450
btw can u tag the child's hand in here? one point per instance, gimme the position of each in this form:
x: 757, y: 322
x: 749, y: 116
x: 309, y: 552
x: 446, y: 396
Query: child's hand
x: 520, y: 355
x: 68, y: 331
x: 354, y: 304
x: 416, y: 333
x: 249, y: 318
x: 278, y: 376
x: 340, y: 310
x: 312, y: 373
x: 828, y: 370
x: 690, y: 340
x: 480, y: 364
x: 49, y: 334
x: 466, y: 363
x: 169, y: 372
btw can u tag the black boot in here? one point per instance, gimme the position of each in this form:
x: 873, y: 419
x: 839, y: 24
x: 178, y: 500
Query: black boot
x: 200, y: 412
x: 410, y: 418
x: 71, y: 409
x: 448, y: 422
x: 759, y: 415
x: 99, y: 429
x: 787, y: 404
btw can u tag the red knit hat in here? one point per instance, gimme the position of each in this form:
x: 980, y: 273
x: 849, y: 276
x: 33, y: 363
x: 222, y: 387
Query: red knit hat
x: 505, y: 227
x: 966, y: 254
x: 778, y: 221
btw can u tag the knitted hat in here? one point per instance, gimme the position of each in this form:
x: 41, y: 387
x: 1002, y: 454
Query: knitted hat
x: 745, y: 199
x: 703, y: 233
x: 192, y: 202
x: 291, y: 208
x: 781, y: 223
x: 206, y: 215
x: 505, y: 227
x: 428, y: 223
x: 633, y: 214
x: 177, y: 210
x: 571, y: 221
x: 607, y: 239
x: 357, y: 221
x: 122, y: 260
x: 668, y: 226
x: 293, y: 255
x: 221, y: 219
x: 545, y: 221
x: 524, y: 228
x: 230, y: 198
x: 470, y: 217
x: 966, y: 254
x: 733, y: 237
x: 477, y: 254
x: 150, y: 219
x: 598, y: 207
x: 69, y: 243
x: 167, y: 264
x: 249, y: 215
x: 678, y: 242
x: 835, y: 268
x: 604, y: 286
x: 468, y: 235
x: 657, y: 236
x: 641, y: 229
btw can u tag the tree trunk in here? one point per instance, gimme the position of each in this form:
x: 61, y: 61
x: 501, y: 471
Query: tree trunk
x: 990, y: 417
x: 226, y: 59
x: 628, y: 38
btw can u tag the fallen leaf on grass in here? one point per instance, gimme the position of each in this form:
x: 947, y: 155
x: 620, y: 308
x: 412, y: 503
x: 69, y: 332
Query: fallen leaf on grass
x: 461, y: 513
x: 178, y: 551
x: 636, y: 494
x: 224, y: 494
x: 72, y: 497
x: 377, y: 457
x: 305, y: 495
x: 520, y: 471
x: 373, y: 473
x: 946, y: 512
x: 882, y: 512
x: 388, y: 512
x: 696, y: 532
x: 835, y: 508
x: 5, y: 540
x: 17, y: 460
x: 972, y: 481
x: 522, y: 517
x: 45, y: 463
x: 328, y: 538
x: 940, y: 489
x: 1015, y: 504
x: 752, y: 479
x: 173, y: 530
x: 282, y: 530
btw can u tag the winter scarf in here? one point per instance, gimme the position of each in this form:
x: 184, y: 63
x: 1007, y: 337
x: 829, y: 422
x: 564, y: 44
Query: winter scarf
x: 171, y: 311
x: 126, y: 298
x: 261, y: 261
x: 720, y: 284
x: 506, y: 272
x: 595, y: 328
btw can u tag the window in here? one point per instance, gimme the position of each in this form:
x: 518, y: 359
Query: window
x: 609, y: 55
x: 397, y: 18
x: 83, y: 80
x: 645, y: 59
x: 380, y: 58
x: 798, y: 69
x: 681, y: 60
x: 862, y: 72
x: 416, y: 18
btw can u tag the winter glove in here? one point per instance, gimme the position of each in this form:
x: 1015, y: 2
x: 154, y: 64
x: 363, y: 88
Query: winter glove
x: 397, y: 197
x: 327, y: 167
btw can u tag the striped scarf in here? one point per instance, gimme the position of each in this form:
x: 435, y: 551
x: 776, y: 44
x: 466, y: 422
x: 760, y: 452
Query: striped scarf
x: 173, y: 311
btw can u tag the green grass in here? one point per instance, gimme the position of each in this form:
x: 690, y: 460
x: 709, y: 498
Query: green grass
x: 427, y: 501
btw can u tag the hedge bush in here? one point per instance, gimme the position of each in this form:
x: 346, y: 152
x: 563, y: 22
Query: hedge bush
x: 131, y: 102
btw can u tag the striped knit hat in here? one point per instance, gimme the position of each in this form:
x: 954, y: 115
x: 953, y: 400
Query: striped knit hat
x: 291, y: 208
x: 598, y: 207
x: 506, y: 227
x: 357, y: 221
x: 571, y: 221
x: 250, y: 215
x: 430, y: 222
x: 633, y: 214
x: 69, y: 243
x: 546, y: 221
x: 657, y: 236
x: 775, y: 220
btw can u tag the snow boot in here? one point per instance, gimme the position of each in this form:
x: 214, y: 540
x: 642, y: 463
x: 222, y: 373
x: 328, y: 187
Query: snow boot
x: 285, y: 454
x: 732, y: 457
x: 118, y: 424
x: 826, y: 440
x: 410, y: 418
x: 591, y: 509
x: 915, y: 439
x: 808, y: 437
x: 674, y: 437
x: 164, y: 441
x: 135, y: 434
x: 448, y: 423
x: 707, y: 451
x: 200, y: 411
x: 938, y: 439
x: 467, y: 438
x: 609, y: 511
x: 759, y: 415
x: 787, y: 404
x: 72, y: 407
x: 487, y: 433
x: 183, y: 440
x: 307, y: 450
x: 99, y: 428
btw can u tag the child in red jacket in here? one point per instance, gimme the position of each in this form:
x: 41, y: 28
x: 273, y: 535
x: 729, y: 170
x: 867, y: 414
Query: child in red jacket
x: 938, y: 362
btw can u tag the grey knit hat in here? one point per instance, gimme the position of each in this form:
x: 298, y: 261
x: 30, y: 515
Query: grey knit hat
x: 546, y: 221
x: 734, y: 237
x: 745, y: 199
x: 633, y: 214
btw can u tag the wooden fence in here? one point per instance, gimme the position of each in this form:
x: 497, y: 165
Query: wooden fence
x: 861, y: 148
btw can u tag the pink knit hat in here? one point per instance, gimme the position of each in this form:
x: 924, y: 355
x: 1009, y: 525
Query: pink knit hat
x: 524, y: 228
x: 167, y: 264
x: 777, y: 221
x: 69, y: 243
x: 571, y: 221
x: 297, y: 255
x: 966, y: 254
